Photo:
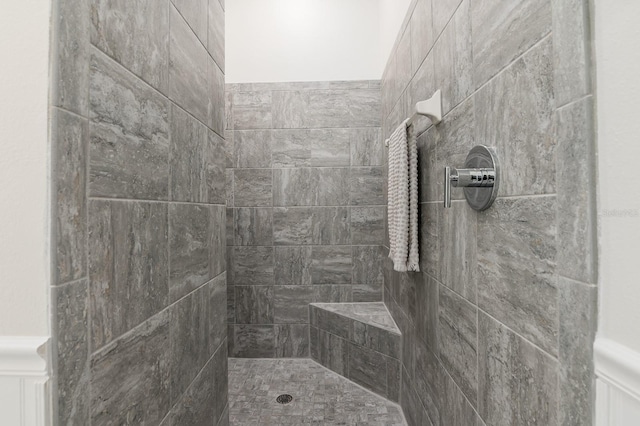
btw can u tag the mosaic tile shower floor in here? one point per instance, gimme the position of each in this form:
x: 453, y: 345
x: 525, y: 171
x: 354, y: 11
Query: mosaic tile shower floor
x: 320, y: 396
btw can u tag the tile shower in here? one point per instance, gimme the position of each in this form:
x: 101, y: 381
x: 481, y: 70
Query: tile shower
x: 195, y: 225
x: 139, y: 301
x: 305, y: 208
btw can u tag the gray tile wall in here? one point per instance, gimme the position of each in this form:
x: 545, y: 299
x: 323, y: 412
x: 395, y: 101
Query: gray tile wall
x: 139, y: 296
x: 305, y: 207
x: 498, y: 327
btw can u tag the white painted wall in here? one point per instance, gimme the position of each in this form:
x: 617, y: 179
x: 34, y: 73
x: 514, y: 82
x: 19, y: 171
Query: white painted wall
x: 301, y: 40
x: 617, y: 36
x: 392, y: 14
x: 310, y: 40
x: 617, y: 346
x: 24, y: 168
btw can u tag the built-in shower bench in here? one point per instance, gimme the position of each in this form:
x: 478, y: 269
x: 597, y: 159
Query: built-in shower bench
x: 359, y: 341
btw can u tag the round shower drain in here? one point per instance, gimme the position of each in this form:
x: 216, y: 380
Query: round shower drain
x: 284, y: 399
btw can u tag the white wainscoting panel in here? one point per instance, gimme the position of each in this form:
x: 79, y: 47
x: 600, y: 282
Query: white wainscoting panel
x: 617, y: 384
x: 24, y: 381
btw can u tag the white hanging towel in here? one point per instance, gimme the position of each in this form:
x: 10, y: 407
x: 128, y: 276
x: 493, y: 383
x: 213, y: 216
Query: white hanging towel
x: 403, y: 199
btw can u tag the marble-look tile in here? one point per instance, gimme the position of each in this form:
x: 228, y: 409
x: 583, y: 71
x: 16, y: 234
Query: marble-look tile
x: 216, y: 114
x: 228, y: 186
x: 443, y: 10
x: 422, y: 37
x: 196, y: 166
x: 217, y: 311
x: 314, y: 343
x: 292, y: 265
x: 320, y: 395
x: 517, y: 284
x: 422, y: 87
x: 311, y: 187
x: 331, y: 265
x: 394, y: 368
x: 377, y: 339
x: 229, y: 228
x: 229, y: 145
x: 252, y: 148
x: 387, y: 93
x: 333, y: 352
x: 429, y: 171
x: 252, y: 188
x: 331, y: 322
x: 70, y: 54
x: 403, y: 61
x: 503, y: 30
x: 252, y: 265
x: 252, y: 110
x: 326, y: 108
x: 130, y: 376
x: 367, y: 148
x: 291, y: 148
x: 129, y: 135
x: 453, y: 59
x: 69, y: 137
x: 231, y: 333
x: 578, y: 320
x: 189, y: 333
x: 188, y: 69
x: 456, y: 409
x: 228, y: 114
x: 253, y: 226
x: 522, y: 133
x: 329, y: 293
x: 368, y: 263
x: 291, y: 304
x: 368, y: 368
x: 454, y: 138
x: 217, y: 241
x: 367, y: 186
x: 254, y: 304
x: 330, y: 147
x: 413, y: 410
x: 220, y: 380
x: 517, y: 383
x: 254, y: 341
x: 196, y: 406
x: 576, y: 192
x: 195, y: 13
x: 427, y: 301
x: 216, y: 33
x: 368, y: 225
x: 224, y: 418
x: 231, y: 306
x: 429, y: 235
x: 571, y: 49
x: 311, y: 225
x: 429, y: 379
x: 458, y: 249
x: 115, y: 24
x: 305, y: 85
x: 72, y: 349
x: 189, y: 248
x: 128, y: 257
x: 457, y: 341
x: 292, y: 340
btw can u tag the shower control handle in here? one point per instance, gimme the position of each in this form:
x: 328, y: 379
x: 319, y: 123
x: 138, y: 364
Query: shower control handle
x: 474, y: 177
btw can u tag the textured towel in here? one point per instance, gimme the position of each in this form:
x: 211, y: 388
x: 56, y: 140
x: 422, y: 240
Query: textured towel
x: 403, y: 199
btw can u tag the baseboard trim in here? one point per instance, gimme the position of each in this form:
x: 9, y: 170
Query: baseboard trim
x: 24, y: 381
x: 618, y: 366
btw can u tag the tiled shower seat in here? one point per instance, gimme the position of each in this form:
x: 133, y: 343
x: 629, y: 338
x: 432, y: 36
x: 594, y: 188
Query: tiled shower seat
x: 359, y: 341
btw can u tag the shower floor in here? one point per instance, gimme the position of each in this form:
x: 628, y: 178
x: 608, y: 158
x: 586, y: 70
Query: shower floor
x: 320, y: 396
